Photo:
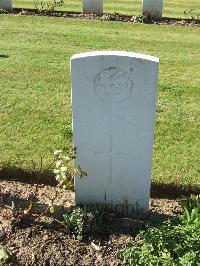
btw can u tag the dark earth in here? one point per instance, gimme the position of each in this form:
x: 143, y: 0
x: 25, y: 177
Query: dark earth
x: 38, y: 237
x: 108, y: 17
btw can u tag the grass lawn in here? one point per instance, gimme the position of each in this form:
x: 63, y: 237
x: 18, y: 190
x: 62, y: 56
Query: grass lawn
x: 172, y: 8
x: 35, y: 110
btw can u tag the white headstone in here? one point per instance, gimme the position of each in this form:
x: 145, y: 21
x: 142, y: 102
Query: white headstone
x: 113, y: 103
x: 6, y: 5
x: 152, y: 7
x: 93, y: 6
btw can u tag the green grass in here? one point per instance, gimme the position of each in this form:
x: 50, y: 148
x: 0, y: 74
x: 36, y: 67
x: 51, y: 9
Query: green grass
x: 35, y: 88
x: 131, y: 7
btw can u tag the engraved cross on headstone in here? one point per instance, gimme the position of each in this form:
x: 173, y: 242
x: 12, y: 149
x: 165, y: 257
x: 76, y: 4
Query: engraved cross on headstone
x: 110, y: 161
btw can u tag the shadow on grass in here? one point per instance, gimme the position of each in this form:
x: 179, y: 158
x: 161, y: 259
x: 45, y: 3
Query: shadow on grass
x: 28, y: 176
x: 4, y: 56
x: 46, y: 177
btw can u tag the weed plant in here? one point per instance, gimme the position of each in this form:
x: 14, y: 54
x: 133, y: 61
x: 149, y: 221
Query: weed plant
x: 173, y: 243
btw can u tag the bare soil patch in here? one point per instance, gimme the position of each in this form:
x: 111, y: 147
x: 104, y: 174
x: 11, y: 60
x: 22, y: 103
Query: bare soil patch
x: 109, y: 17
x: 42, y: 239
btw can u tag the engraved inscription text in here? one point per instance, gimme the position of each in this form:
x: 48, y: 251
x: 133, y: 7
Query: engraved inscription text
x: 113, y: 84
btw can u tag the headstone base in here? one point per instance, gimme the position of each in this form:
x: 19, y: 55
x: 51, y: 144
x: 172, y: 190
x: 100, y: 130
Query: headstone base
x: 93, y: 6
x: 152, y: 7
x: 6, y: 5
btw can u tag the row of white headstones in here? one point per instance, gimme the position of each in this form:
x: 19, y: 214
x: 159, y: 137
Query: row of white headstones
x: 114, y: 106
x: 151, y: 7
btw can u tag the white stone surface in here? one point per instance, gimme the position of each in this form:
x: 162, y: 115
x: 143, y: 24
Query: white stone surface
x: 113, y: 103
x: 6, y: 5
x: 153, y: 7
x: 93, y: 6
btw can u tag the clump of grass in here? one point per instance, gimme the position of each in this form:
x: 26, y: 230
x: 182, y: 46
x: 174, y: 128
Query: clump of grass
x: 173, y: 243
x: 80, y: 222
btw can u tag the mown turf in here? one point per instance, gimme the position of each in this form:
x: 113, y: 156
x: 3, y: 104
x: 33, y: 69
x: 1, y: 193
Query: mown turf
x: 172, y: 8
x: 35, y: 88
